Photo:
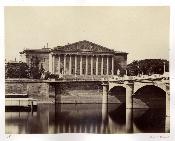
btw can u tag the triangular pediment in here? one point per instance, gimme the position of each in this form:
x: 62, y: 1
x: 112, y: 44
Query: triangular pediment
x: 84, y: 46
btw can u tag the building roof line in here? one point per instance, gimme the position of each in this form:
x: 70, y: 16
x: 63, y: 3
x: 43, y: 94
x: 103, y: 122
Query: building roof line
x: 80, y: 46
x: 88, y: 42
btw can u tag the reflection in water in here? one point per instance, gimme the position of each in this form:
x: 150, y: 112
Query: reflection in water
x: 150, y: 120
x: 87, y: 118
x: 129, y: 120
x: 104, y: 123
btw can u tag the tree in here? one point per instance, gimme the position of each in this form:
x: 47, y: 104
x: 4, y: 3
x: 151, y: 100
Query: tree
x: 147, y: 67
x: 16, y: 70
x: 35, y: 70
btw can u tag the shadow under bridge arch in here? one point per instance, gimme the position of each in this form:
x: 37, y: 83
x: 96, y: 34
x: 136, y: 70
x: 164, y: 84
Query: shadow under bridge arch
x: 117, y: 94
x: 149, y: 96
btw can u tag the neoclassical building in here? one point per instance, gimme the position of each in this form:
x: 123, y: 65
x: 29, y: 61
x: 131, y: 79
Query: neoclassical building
x: 79, y: 58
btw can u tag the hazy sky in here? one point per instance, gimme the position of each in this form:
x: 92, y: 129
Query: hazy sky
x: 143, y: 32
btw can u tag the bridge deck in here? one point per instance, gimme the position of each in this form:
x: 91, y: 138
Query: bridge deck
x: 95, y: 78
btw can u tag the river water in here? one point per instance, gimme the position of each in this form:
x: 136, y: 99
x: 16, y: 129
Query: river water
x: 86, y: 118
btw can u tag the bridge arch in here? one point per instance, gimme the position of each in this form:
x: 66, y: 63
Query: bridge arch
x: 112, y: 85
x: 151, y: 95
x: 138, y: 85
x: 117, y: 94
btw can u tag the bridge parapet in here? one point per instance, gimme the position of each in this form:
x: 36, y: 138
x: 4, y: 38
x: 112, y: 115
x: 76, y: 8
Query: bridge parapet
x: 161, y: 85
x: 140, y: 82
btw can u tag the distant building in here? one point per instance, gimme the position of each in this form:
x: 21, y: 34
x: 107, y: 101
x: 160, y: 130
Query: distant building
x: 12, y: 62
x: 15, y: 69
x: 80, y: 58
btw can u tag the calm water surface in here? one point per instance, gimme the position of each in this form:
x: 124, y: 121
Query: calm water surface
x: 87, y: 118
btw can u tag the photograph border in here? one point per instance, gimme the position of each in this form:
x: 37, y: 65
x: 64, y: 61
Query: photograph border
x: 79, y: 136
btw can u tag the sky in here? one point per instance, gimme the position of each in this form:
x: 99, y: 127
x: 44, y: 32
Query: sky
x: 143, y: 32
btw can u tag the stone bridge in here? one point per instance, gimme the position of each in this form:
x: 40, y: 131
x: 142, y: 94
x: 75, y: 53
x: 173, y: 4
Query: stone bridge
x: 136, y: 85
x: 40, y: 88
x: 133, y: 86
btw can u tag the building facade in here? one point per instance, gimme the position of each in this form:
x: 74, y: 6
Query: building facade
x: 79, y: 58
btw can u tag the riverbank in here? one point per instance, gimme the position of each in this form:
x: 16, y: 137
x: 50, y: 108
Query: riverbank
x: 78, y: 92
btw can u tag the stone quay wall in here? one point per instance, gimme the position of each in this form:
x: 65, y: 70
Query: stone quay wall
x: 71, y: 92
x: 33, y: 88
x: 76, y: 92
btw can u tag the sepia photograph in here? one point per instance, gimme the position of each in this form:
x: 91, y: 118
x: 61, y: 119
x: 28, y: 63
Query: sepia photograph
x: 87, y: 69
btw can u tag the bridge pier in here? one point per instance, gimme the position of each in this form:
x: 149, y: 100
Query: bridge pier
x: 105, y: 93
x: 129, y: 93
x: 57, y: 93
x: 105, y: 102
x: 129, y: 107
x: 167, y: 118
x: 168, y: 104
x: 104, y: 108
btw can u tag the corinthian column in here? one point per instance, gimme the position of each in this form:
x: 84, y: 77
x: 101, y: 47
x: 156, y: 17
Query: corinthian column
x: 64, y: 64
x: 91, y: 65
x: 59, y: 64
x: 96, y: 65
x: 101, y: 65
x: 80, y: 65
x: 107, y: 66
x: 86, y: 65
x: 70, y: 65
x: 75, y: 64
x: 112, y: 71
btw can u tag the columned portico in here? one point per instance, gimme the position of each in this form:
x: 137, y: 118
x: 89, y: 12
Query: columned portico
x: 80, y: 65
x: 83, y: 59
